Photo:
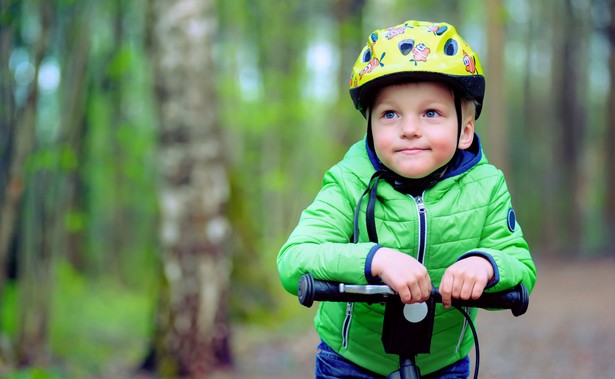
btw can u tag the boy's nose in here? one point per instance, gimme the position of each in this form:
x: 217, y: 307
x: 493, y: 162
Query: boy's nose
x: 410, y: 127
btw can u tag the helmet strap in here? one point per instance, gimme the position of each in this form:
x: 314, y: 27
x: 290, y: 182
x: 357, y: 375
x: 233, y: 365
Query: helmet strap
x: 457, y: 99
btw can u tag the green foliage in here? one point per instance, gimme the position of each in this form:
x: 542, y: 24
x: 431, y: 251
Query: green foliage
x: 95, y: 324
x: 59, y: 158
x: 35, y: 373
x: 8, y: 310
x: 121, y: 64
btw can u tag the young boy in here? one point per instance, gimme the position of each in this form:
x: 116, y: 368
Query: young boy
x: 414, y: 204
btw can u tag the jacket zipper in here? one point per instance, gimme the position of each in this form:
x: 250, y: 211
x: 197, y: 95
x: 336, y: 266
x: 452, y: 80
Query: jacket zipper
x: 346, y: 325
x: 420, y: 256
x: 421, y: 252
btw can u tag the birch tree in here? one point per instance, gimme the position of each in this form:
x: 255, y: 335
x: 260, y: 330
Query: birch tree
x: 191, y: 335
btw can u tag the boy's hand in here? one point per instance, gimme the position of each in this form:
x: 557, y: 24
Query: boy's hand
x: 404, y: 274
x: 465, y: 279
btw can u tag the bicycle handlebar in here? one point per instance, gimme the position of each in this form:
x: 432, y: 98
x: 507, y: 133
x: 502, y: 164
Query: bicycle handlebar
x: 310, y: 290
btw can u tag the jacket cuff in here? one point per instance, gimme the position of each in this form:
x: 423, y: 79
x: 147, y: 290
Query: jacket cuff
x: 496, y: 272
x: 368, y: 266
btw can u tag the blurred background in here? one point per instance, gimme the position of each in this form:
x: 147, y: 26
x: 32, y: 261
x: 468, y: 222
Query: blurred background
x: 155, y: 155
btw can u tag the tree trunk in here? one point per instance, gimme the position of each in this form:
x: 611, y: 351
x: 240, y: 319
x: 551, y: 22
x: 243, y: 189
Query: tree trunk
x: 497, y: 126
x: 35, y: 271
x: 610, y: 140
x: 569, y: 106
x: 16, y: 136
x: 192, y: 332
x: 350, y: 41
x: 75, y: 97
x: 34, y: 259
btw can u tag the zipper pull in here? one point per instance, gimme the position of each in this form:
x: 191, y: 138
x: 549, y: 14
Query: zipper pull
x: 420, y: 204
x: 349, y: 307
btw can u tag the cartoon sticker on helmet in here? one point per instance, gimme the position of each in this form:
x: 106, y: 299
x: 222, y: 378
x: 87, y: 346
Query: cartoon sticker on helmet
x: 375, y: 62
x: 395, y: 31
x: 354, y: 81
x: 470, y: 63
x: 420, y: 53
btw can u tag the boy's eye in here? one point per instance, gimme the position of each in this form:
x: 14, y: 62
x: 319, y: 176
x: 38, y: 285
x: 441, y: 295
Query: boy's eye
x: 431, y: 113
x: 389, y: 115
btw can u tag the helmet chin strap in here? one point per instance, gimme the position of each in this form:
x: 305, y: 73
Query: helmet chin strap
x: 457, y: 100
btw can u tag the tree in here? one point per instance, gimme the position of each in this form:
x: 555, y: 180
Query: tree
x: 496, y: 116
x: 610, y: 137
x: 36, y: 231
x: 191, y: 336
x: 15, y: 142
x: 350, y: 39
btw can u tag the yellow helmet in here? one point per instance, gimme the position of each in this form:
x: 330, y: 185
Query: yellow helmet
x: 416, y: 51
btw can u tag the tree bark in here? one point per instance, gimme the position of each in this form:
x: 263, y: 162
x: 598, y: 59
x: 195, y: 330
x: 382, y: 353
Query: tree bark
x: 350, y: 40
x: 497, y: 126
x: 34, y: 258
x: 192, y: 332
x: 571, y: 129
x: 610, y: 140
x: 15, y: 142
x: 75, y: 99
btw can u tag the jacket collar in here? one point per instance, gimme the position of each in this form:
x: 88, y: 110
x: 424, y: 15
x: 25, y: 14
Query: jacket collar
x: 463, y: 160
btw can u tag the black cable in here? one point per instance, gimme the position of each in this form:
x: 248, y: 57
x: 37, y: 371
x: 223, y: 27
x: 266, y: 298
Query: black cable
x: 475, y: 335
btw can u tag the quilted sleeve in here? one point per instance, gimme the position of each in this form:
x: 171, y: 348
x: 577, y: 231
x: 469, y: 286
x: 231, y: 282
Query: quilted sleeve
x: 502, y: 239
x: 321, y: 242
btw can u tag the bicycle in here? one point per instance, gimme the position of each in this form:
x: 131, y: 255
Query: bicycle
x: 409, y: 322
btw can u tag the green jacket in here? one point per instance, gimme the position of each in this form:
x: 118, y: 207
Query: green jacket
x: 468, y: 213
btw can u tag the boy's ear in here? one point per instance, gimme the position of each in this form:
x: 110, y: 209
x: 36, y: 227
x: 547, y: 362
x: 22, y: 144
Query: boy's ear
x: 467, y: 134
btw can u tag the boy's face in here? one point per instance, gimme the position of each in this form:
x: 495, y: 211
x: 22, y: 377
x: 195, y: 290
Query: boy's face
x: 414, y: 126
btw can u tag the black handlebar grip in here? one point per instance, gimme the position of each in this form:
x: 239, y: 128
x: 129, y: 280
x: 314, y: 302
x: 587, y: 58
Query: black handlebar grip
x: 516, y: 299
x: 310, y: 290
x: 305, y: 291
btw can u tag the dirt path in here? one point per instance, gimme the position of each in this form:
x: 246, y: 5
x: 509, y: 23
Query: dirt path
x: 568, y: 332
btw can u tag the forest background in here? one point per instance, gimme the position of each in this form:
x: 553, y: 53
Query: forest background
x: 155, y: 155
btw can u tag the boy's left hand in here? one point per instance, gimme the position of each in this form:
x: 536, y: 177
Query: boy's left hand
x: 465, y: 279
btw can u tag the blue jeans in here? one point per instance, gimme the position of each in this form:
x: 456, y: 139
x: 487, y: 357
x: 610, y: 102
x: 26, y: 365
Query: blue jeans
x: 330, y: 365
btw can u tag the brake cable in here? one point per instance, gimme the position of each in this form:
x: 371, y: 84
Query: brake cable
x: 475, y: 335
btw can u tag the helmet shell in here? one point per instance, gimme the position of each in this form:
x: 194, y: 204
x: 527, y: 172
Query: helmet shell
x: 416, y: 51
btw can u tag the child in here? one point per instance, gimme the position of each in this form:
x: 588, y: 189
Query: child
x: 429, y: 209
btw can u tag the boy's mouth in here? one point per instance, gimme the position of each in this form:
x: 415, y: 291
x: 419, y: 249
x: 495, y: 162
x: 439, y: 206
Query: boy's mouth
x: 411, y: 150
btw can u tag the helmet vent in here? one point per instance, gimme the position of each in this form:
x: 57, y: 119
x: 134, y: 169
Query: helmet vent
x: 367, y: 56
x: 451, y: 47
x: 441, y: 30
x: 405, y: 46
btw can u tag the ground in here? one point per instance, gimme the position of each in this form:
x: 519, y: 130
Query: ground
x: 568, y: 332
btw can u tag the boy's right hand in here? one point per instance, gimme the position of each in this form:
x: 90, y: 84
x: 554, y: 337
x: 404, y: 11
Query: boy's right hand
x: 404, y: 274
